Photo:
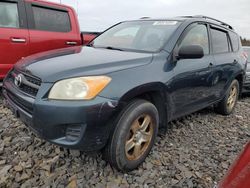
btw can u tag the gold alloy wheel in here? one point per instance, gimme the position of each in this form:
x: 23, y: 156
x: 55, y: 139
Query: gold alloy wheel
x: 139, y: 137
x: 232, y: 97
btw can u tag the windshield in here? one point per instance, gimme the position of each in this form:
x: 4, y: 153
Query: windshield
x: 149, y: 36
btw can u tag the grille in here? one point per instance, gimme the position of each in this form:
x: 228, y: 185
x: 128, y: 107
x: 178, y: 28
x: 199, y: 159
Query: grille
x: 29, y: 84
x: 26, y: 106
x: 29, y: 90
x: 33, y: 80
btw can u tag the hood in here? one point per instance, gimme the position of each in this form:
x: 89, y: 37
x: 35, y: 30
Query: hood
x: 80, y: 61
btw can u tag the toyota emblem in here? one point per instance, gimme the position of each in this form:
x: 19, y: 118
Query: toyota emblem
x: 18, y: 80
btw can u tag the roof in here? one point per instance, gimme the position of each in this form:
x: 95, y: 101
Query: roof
x: 197, y: 18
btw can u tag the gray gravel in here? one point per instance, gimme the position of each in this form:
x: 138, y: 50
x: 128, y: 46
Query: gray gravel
x: 196, y: 151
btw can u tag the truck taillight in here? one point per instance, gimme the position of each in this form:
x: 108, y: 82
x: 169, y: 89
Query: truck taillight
x: 245, y: 55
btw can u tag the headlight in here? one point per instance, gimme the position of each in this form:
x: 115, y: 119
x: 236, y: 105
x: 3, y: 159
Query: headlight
x: 82, y: 88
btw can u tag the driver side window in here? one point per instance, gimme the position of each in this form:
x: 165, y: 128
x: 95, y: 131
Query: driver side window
x: 197, y: 35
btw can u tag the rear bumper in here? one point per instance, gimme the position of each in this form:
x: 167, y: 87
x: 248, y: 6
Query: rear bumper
x: 82, y: 125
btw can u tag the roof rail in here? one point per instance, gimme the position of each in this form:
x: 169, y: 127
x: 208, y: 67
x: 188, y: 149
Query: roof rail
x: 213, y: 19
x: 145, y: 17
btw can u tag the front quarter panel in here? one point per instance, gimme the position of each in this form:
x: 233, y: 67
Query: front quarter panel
x: 129, y: 84
x: 138, y: 79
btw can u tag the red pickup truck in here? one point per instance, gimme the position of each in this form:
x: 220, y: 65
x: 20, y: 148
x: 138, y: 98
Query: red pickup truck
x: 31, y: 26
x: 239, y: 173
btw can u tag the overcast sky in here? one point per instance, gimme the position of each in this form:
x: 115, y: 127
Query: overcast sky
x: 97, y: 15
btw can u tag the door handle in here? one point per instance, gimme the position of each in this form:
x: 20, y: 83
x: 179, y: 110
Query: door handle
x: 235, y: 61
x: 18, y: 40
x: 71, y: 43
x: 210, y: 65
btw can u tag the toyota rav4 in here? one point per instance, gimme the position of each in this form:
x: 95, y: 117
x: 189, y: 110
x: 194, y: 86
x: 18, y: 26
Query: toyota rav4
x: 137, y: 76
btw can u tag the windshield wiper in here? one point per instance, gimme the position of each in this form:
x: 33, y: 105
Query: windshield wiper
x: 105, y: 47
x: 112, y: 48
x: 90, y: 45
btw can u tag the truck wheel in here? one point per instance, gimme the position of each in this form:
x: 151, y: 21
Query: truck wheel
x: 227, y: 105
x: 133, y: 136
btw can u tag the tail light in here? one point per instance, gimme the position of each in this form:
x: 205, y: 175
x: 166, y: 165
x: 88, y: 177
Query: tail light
x: 245, y: 55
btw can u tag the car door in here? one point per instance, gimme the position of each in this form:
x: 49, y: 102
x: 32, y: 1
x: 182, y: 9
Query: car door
x: 14, y: 36
x: 51, y: 27
x: 191, y: 83
x: 224, y: 58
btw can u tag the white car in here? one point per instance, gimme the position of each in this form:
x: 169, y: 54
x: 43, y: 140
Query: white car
x: 246, y: 87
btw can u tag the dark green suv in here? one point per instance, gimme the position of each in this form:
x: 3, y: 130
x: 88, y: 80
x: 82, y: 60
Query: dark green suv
x: 138, y: 75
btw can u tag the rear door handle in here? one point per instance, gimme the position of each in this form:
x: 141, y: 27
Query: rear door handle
x: 71, y: 43
x: 235, y: 61
x: 18, y: 40
x: 210, y: 65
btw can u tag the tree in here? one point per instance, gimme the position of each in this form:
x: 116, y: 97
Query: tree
x: 245, y: 42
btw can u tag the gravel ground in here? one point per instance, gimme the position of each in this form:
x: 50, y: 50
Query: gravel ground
x: 196, y: 151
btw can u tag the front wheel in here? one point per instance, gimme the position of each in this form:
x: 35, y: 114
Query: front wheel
x: 228, y: 103
x: 134, y: 135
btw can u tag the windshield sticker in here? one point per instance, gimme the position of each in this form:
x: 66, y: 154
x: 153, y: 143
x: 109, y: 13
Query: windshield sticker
x: 165, y: 23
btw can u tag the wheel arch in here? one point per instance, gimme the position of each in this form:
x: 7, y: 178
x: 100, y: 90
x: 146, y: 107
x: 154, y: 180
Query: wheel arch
x: 154, y: 93
x: 240, y: 78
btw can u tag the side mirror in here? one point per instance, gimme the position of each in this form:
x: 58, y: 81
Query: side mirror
x: 190, y: 52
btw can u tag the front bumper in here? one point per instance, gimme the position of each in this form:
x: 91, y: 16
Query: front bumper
x: 83, y: 125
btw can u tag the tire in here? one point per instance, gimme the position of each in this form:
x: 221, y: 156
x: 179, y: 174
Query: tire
x: 133, y: 136
x: 223, y: 107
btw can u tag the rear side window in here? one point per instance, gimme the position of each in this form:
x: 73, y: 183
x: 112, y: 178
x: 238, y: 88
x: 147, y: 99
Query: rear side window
x: 235, y: 41
x: 9, y: 15
x: 51, y: 20
x: 219, y: 41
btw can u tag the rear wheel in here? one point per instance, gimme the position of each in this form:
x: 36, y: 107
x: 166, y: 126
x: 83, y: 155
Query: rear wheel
x: 227, y: 105
x: 134, y: 135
